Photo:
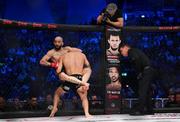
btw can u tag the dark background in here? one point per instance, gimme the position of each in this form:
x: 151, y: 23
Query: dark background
x: 22, y: 77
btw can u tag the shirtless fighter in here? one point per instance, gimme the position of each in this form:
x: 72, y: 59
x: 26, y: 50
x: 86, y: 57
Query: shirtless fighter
x: 56, y: 52
x: 73, y: 64
x: 54, y: 55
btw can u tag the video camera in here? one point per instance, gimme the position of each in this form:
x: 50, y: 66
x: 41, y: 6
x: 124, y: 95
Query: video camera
x: 105, y: 17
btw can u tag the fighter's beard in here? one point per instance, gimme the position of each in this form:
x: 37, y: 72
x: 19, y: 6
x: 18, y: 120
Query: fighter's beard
x: 114, y: 49
x: 57, y: 48
x: 115, y: 80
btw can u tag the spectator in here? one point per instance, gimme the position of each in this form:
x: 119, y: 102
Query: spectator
x: 17, y: 105
x: 49, y: 102
x: 95, y: 103
x: 33, y: 104
x: 75, y: 102
x: 2, y: 104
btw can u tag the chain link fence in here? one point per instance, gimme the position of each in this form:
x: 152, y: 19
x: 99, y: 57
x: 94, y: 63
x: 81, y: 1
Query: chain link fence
x: 23, y: 81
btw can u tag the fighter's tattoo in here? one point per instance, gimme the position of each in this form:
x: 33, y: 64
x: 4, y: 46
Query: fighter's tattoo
x: 74, y: 81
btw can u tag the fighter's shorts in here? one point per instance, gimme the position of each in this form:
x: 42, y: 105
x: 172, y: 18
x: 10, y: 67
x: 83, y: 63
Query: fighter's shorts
x: 67, y: 85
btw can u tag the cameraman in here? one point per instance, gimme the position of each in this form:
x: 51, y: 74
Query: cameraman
x: 111, y: 15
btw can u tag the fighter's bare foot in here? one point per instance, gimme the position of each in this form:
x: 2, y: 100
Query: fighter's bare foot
x: 54, y: 110
x: 88, y: 116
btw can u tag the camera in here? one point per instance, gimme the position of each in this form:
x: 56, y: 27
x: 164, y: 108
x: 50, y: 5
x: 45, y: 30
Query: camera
x: 105, y: 17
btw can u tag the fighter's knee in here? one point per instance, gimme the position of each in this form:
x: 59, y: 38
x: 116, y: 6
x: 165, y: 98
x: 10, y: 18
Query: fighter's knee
x: 84, y: 95
x: 84, y: 88
x: 58, y: 93
x: 85, y: 92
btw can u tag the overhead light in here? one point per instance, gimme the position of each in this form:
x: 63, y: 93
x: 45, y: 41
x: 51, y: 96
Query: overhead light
x: 142, y: 16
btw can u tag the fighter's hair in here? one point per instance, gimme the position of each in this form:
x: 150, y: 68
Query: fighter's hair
x: 123, y: 45
x: 113, y: 34
x: 112, y: 6
x: 118, y: 69
x: 113, y: 65
x: 58, y: 37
